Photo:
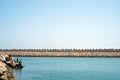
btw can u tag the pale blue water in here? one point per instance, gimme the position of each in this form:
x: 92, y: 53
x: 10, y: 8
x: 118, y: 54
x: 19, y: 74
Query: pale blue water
x: 62, y: 68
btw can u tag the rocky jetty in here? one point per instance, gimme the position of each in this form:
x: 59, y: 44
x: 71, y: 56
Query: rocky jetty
x: 7, y: 64
x: 62, y: 52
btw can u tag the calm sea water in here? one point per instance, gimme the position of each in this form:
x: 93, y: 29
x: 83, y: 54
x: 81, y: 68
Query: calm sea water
x: 55, y: 68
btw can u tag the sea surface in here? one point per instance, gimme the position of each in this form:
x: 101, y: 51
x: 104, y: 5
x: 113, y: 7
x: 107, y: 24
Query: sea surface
x: 72, y: 68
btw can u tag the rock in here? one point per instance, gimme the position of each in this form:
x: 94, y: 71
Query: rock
x: 3, y: 77
x: 2, y: 66
x: 8, y: 58
x: 6, y: 72
x: 1, y: 73
x: 6, y: 65
x: 3, y: 57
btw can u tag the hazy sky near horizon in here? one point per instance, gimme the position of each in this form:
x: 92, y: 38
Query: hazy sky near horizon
x: 59, y: 23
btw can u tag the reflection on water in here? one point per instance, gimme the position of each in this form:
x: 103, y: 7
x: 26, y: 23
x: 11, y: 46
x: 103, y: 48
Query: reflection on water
x: 18, y: 74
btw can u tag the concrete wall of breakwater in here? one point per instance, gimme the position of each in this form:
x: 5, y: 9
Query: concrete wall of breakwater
x: 63, y: 53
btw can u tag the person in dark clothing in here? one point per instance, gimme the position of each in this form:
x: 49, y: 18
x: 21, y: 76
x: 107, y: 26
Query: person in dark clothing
x: 17, y: 60
x: 20, y: 62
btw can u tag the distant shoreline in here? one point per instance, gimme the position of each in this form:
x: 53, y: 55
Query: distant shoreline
x: 62, y: 52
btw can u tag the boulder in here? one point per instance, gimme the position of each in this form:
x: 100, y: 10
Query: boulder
x: 6, y: 72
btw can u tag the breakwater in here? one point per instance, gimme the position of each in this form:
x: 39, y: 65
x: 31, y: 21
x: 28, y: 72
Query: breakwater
x: 63, y: 52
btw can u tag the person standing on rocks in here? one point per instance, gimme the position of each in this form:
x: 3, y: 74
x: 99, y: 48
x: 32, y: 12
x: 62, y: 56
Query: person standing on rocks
x: 20, y: 62
x: 17, y: 60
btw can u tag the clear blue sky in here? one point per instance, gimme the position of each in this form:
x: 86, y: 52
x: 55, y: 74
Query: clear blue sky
x: 59, y: 24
